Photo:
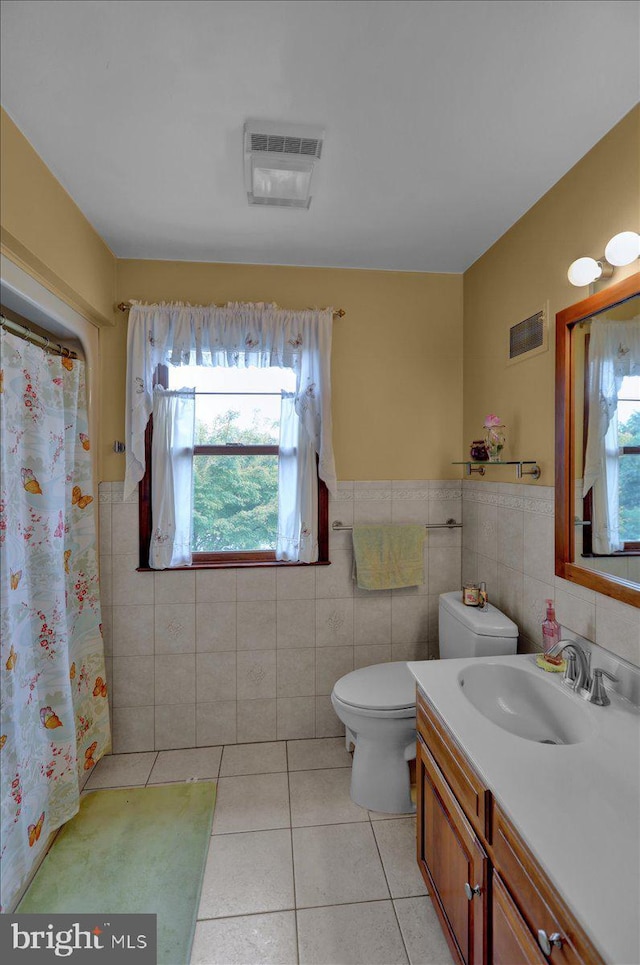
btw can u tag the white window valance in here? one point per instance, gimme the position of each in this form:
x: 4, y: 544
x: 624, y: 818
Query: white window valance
x: 236, y: 335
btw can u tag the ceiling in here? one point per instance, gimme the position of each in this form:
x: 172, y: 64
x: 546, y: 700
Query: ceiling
x: 445, y: 121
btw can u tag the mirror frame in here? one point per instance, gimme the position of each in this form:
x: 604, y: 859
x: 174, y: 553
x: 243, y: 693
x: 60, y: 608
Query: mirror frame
x: 566, y: 568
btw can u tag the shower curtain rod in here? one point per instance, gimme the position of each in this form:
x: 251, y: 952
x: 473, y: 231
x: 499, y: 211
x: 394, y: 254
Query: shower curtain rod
x: 125, y: 306
x: 46, y: 343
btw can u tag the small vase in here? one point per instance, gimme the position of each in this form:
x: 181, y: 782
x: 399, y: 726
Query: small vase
x: 495, y: 440
x: 479, y: 451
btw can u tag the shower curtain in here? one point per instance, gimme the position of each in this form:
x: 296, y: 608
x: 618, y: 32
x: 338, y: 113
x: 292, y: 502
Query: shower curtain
x: 54, y: 718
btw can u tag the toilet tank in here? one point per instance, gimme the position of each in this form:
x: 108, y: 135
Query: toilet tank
x: 467, y: 631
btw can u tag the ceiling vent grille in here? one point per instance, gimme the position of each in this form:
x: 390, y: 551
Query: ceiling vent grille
x: 280, y: 162
x: 281, y: 144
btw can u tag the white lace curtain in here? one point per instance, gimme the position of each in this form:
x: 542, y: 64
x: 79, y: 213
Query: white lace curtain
x: 174, y: 421
x: 238, y: 335
x: 614, y: 352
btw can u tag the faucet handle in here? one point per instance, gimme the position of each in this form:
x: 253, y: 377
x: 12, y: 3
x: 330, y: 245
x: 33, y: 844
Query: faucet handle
x: 597, y: 692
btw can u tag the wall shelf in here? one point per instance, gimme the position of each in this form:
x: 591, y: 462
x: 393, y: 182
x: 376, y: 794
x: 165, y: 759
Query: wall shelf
x: 479, y: 466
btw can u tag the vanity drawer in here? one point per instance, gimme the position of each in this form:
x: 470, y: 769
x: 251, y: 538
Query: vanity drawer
x: 537, y: 901
x: 471, y: 793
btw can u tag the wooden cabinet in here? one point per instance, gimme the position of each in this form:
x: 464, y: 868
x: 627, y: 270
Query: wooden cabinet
x: 539, y: 904
x: 512, y: 941
x: 453, y: 862
x: 490, y: 895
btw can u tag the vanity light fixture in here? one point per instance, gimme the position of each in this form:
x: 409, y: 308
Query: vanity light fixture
x: 621, y: 250
x: 279, y: 162
x: 584, y: 271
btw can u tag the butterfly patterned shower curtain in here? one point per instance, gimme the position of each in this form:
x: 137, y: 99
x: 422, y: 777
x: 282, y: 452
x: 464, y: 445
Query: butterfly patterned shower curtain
x: 54, y: 719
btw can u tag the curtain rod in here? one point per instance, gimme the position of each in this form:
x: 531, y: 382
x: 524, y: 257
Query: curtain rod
x: 125, y: 306
x: 46, y: 343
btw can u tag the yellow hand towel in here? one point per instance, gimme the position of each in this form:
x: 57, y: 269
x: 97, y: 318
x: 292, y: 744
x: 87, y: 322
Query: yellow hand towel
x: 388, y: 557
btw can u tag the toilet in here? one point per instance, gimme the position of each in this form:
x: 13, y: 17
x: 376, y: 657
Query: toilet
x: 377, y: 704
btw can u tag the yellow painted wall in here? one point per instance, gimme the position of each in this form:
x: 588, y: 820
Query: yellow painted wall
x: 44, y: 231
x: 396, y: 365
x: 527, y: 268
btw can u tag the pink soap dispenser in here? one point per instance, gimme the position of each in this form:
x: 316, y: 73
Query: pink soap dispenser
x: 550, y: 633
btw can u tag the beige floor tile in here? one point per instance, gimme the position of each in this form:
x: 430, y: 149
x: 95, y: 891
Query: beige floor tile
x: 306, y: 755
x: 248, y: 940
x: 246, y: 874
x: 358, y: 934
x: 423, y: 937
x: 397, y: 844
x: 122, y: 770
x: 200, y: 764
x: 254, y: 758
x: 322, y: 797
x: 337, y: 864
x: 253, y: 802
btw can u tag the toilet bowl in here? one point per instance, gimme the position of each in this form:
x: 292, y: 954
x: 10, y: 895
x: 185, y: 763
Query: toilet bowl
x: 377, y: 704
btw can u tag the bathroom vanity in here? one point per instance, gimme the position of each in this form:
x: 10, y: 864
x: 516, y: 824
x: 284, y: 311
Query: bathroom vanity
x: 530, y: 849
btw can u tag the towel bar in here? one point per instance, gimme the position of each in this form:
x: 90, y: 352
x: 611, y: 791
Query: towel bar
x: 337, y: 525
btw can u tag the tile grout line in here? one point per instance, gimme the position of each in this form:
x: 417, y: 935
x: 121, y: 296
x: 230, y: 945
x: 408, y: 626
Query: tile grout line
x: 384, y: 871
x: 278, y: 911
x: 293, y: 866
x: 155, y: 761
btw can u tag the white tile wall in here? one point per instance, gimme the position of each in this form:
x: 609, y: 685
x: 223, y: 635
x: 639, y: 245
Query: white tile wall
x: 243, y: 655
x: 508, y: 541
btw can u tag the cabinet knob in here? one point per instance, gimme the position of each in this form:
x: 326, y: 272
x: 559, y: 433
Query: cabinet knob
x: 471, y: 892
x: 548, y: 942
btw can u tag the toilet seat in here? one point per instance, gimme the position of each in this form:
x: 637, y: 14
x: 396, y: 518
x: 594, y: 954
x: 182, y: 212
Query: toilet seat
x: 385, y: 689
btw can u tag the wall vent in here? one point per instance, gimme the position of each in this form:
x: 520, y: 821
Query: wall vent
x: 528, y: 337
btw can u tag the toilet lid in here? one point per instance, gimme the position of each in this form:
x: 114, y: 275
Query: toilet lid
x: 385, y: 686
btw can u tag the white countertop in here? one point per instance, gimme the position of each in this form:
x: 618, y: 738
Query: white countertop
x: 577, y: 806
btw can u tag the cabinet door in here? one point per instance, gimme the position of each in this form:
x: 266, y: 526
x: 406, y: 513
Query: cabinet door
x: 538, y: 903
x: 512, y: 940
x: 451, y: 858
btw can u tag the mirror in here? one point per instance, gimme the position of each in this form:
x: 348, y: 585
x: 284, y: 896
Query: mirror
x: 598, y: 442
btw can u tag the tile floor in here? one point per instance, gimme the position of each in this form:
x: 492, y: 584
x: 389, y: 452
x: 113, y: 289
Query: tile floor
x: 296, y: 872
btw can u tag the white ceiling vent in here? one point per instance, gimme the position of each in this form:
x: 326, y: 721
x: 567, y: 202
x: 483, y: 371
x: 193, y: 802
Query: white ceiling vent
x: 529, y: 337
x: 279, y: 161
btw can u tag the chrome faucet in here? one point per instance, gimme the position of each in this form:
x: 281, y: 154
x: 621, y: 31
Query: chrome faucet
x: 576, y: 678
x: 577, y: 673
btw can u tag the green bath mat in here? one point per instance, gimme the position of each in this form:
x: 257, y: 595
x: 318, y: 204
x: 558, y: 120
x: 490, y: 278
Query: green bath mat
x: 138, y: 849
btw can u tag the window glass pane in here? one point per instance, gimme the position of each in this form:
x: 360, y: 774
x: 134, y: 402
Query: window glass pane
x: 629, y: 485
x: 630, y: 388
x: 225, y: 414
x: 235, y: 503
x: 629, y: 479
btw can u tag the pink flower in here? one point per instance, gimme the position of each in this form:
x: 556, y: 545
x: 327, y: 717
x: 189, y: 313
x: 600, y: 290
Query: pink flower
x: 491, y: 421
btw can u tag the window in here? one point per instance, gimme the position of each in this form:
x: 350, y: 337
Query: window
x: 628, y: 432
x: 235, y: 465
x: 629, y: 478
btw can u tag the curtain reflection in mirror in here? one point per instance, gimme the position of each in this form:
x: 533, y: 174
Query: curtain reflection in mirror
x: 614, y: 355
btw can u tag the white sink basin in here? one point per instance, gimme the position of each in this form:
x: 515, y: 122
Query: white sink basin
x: 526, y: 703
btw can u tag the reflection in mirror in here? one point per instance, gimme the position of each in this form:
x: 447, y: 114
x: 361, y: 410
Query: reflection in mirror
x: 606, y: 359
x: 598, y: 442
